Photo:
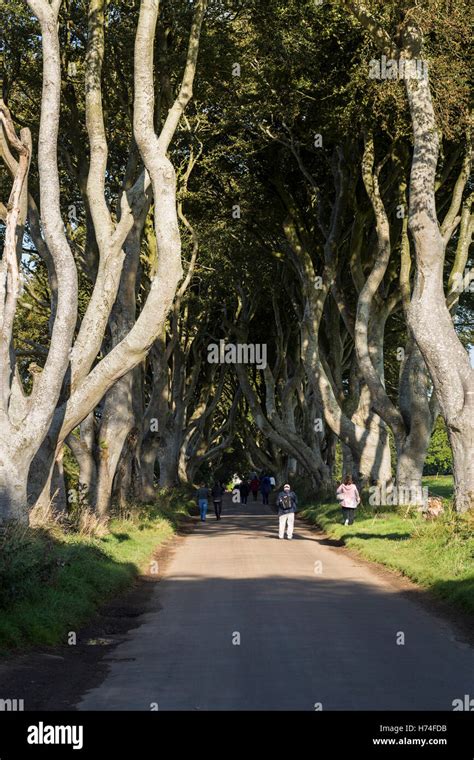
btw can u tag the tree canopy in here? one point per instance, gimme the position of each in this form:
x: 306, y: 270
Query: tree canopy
x: 177, y: 176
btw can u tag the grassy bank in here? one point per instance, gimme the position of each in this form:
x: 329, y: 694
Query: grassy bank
x: 438, y: 555
x: 54, y: 577
x: 441, y: 485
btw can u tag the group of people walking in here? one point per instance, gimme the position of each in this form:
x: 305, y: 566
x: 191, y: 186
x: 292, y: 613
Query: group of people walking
x: 286, y: 501
x: 253, y: 485
x: 265, y: 485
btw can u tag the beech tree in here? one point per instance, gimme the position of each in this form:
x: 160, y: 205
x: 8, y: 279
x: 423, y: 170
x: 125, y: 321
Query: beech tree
x: 28, y: 419
x: 444, y: 354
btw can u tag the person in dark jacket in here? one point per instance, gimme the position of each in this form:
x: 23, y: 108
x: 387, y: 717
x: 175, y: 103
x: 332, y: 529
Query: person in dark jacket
x: 287, y: 503
x: 265, y: 488
x: 217, y: 492
x: 244, y: 491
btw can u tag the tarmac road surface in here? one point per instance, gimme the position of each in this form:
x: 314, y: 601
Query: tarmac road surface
x: 245, y: 621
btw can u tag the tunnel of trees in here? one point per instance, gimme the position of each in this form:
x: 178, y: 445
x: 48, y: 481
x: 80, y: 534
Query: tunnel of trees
x: 235, y: 236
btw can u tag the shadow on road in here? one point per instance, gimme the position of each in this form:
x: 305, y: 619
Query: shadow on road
x: 383, y: 536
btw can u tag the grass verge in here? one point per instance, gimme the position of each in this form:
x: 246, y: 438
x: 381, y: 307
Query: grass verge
x: 440, y: 485
x: 438, y: 555
x: 53, y: 578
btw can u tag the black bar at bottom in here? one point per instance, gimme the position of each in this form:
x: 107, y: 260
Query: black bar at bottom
x: 133, y: 734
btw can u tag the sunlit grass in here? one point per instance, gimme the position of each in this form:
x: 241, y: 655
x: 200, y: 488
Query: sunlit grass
x: 442, y: 485
x: 52, y: 580
x: 438, y: 554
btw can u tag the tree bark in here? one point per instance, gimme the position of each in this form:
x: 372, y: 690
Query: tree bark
x: 19, y: 440
x: 117, y: 421
x: 148, y: 456
x: 83, y: 449
x: 88, y: 389
x: 445, y: 356
x: 13, y: 487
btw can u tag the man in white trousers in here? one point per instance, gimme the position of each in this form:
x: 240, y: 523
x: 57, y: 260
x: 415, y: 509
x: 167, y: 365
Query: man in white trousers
x: 287, y: 504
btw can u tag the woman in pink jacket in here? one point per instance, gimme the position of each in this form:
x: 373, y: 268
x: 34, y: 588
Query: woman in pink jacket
x: 348, y: 496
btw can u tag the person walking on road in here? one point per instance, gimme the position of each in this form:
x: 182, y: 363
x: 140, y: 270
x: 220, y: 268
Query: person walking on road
x: 217, y: 492
x: 348, y: 496
x: 254, y: 486
x: 287, y: 503
x: 265, y: 488
x: 202, y: 496
x: 244, y: 491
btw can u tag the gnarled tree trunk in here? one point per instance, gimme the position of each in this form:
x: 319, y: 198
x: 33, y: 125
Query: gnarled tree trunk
x: 445, y: 356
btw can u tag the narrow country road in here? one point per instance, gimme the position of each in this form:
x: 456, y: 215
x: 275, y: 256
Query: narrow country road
x: 309, y: 633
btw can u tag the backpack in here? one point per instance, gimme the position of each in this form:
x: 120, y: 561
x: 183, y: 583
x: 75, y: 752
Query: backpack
x: 286, y: 503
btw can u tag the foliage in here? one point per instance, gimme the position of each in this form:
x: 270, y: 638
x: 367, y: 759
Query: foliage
x: 439, y: 458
